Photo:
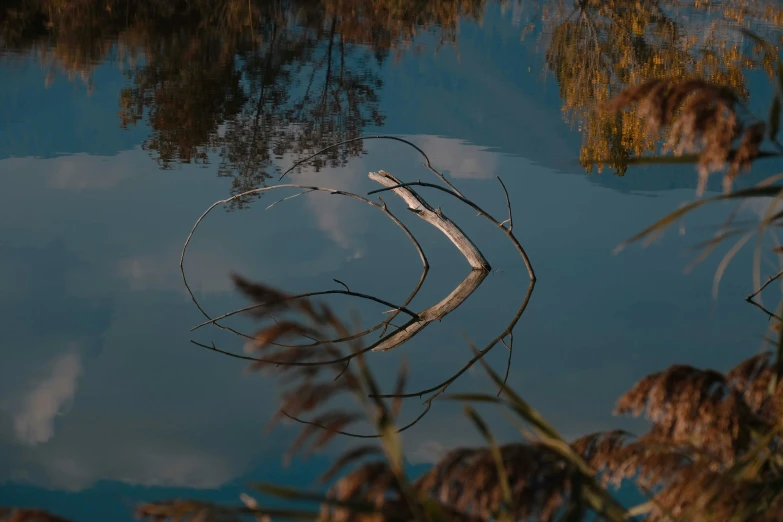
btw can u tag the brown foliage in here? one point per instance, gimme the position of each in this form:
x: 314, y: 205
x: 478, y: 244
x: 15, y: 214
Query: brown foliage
x: 706, y: 427
x: 28, y: 515
x: 700, y: 117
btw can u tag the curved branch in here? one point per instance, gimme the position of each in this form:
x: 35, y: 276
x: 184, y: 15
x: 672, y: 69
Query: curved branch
x: 436, y: 312
x: 259, y: 190
x: 440, y: 388
x: 435, y: 218
x: 375, y: 137
x: 475, y: 207
x: 311, y: 294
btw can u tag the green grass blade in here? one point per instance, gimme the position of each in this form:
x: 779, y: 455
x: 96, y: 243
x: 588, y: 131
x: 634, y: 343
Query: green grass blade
x: 502, y: 474
x: 287, y: 493
x: 669, y: 219
x: 774, y: 117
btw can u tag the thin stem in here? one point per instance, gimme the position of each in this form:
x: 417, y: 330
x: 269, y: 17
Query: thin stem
x: 508, y: 204
x: 259, y: 190
x: 311, y: 294
x: 376, y: 137
x: 770, y: 280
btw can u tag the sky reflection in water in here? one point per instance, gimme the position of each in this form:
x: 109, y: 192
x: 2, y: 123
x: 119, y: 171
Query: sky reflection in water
x: 104, y: 401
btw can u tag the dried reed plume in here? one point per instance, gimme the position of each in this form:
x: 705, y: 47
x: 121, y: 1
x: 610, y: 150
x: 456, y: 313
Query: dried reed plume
x: 700, y: 117
x: 466, y: 485
x: 706, y: 428
x: 711, y: 452
x: 28, y: 515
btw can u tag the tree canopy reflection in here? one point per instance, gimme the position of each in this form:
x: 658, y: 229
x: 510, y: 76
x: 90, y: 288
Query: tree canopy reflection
x: 596, y: 48
x: 247, y: 82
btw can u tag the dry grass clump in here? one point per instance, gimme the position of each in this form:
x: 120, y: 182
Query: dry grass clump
x: 467, y: 480
x: 712, y: 449
x: 28, y: 515
x: 711, y: 452
x: 700, y: 117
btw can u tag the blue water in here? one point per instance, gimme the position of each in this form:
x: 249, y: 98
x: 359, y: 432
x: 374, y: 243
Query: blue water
x: 104, y: 402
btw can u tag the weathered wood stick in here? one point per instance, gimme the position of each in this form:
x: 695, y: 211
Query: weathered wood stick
x: 477, y: 262
x: 436, y: 218
x: 433, y: 313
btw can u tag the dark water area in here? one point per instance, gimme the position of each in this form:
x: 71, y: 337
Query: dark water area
x: 121, y: 123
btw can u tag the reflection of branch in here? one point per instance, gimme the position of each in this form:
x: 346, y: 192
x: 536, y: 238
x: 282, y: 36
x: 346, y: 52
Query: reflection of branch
x: 302, y: 355
x: 381, y: 207
x: 440, y: 388
x: 510, y: 219
x: 310, y: 294
x: 751, y: 297
x: 761, y: 289
x: 510, y: 346
x: 435, y: 218
x: 376, y: 137
x: 435, y: 312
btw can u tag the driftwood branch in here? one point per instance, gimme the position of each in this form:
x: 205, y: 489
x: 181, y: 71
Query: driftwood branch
x: 481, y: 212
x: 419, y: 321
x: 433, y: 313
x: 434, y: 217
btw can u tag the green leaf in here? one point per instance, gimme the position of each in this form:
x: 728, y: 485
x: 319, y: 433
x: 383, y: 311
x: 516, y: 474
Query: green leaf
x: 595, y: 495
x: 498, y: 457
x: 434, y: 512
x: 753, y: 192
x: 287, y: 493
x: 780, y: 76
x: 473, y: 397
x: 774, y: 115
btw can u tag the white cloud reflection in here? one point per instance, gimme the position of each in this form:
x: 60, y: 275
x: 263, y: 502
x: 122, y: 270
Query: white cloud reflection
x: 87, y: 172
x: 461, y: 159
x: 37, y: 409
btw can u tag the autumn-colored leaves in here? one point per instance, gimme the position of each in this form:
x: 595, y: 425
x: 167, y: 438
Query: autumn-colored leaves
x: 700, y: 117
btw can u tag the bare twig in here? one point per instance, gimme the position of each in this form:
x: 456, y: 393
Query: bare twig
x: 510, y: 346
x: 762, y: 287
x: 259, y: 190
x: 376, y: 137
x: 287, y: 198
x: 441, y: 387
x: 341, y: 283
x: 311, y: 294
x: 510, y: 219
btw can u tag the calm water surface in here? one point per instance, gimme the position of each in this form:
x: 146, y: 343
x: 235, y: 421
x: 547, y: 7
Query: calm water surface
x: 120, y: 126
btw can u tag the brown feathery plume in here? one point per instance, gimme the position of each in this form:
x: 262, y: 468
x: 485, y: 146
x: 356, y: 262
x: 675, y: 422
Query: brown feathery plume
x: 700, y: 116
x: 28, y: 515
x: 692, y: 406
x: 706, y: 454
x: 374, y: 483
x: 349, y: 458
x: 467, y: 481
x: 753, y: 378
x: 466, y: 484
x: 186, y: 511
x: 747, y: 152
x: 599, y: 449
